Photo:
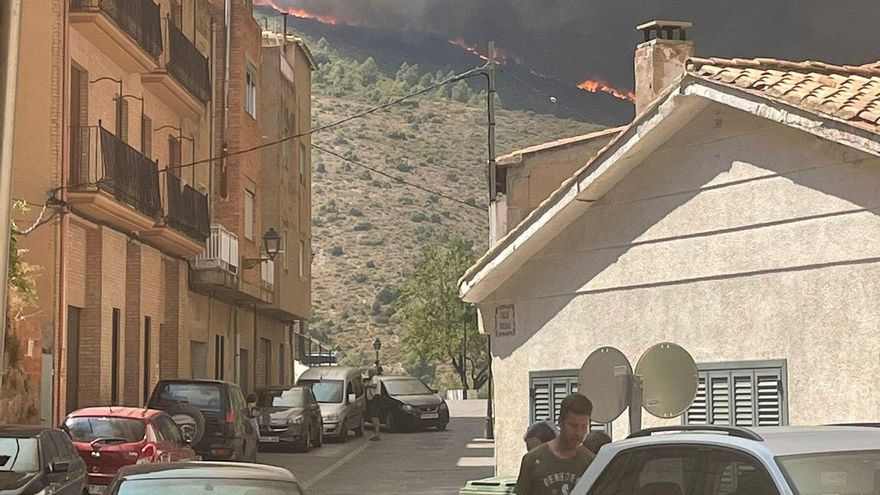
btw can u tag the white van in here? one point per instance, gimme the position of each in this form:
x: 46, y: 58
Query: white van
x: 340, y: 393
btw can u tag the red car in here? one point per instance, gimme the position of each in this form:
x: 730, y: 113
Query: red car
x: 108, y: 438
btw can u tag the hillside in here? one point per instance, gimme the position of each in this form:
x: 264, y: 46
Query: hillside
x: 368, y: 229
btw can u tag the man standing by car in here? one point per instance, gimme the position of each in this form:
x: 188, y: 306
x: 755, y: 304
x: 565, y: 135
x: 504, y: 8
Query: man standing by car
x: 374, y: 390
x: 554, y: 468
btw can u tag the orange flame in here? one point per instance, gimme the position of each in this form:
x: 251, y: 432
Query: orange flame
x: 301, y: 13
x: 594, y: 85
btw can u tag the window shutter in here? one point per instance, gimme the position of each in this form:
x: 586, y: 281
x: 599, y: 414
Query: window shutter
x: 146, y: 136
x: 560, y: 391
x: 769, y: 398
x: 122, y: 126
x: 719, y: 397
x: 743, y: 399
x: 698, y: 412
x: 540, y: 400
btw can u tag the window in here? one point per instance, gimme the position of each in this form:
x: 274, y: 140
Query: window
x: 244, y: 367
x: 302, y: 258
x: 302, y: 164
x: 616, y: 478
x: 734, y: 473
x: 122, y: 118
x: 114, y: 358
x: 284, y: 247
x: 249, y: 214
x: 147, y: 328
x: 251, y: 91
x: 741, y: 394
x: 146, y: 136
x: 219, y: 355
x: 174, y: 155
x: 548, y: 388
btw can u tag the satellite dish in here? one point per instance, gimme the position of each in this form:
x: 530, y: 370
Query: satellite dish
x: 669, y: 380
x: 604, y: 379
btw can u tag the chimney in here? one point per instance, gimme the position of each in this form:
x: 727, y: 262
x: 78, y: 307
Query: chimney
x: 660, y: 59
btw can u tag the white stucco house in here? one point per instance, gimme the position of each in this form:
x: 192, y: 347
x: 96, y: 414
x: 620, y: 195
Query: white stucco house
x: 736, y: 216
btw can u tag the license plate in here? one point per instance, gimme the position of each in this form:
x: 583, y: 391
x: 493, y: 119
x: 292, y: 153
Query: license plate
x: 430, y: 415
x: 269, y: 439
x: 94, y: 489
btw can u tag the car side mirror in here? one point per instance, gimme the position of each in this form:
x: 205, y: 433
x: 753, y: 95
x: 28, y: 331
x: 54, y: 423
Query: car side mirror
x: 59, y: 467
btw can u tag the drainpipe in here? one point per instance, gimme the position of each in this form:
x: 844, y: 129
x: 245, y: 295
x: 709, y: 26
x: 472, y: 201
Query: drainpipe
x: 61, y: 253
x: 10, y: 22
x: 256, y: 350
x: 211, y: 120
x: 228, y: 15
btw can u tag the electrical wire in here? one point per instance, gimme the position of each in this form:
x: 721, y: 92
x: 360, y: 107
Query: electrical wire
x: 538, y: 91
x: 38, y: 222
x: 399, y: 180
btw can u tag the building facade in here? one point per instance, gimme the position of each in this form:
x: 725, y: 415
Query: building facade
x: 734, y: 217
x: 151, y: 262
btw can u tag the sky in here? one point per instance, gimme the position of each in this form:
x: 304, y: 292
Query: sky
x: 574, y: 39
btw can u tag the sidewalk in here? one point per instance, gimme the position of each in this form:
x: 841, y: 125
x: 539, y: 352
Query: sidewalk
x: 475, y: 408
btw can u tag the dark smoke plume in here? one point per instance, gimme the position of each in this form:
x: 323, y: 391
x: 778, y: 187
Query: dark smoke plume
x: 572, y: 39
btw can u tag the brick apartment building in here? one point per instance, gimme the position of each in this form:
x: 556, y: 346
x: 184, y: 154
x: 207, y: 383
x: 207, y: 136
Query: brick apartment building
x: 152, y: 267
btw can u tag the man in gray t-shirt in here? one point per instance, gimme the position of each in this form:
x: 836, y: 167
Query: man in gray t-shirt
x: 554, y: 468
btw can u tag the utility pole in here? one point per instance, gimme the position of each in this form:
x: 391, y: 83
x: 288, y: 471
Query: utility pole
x: 493, y: 231
x: 10, y: 26
x: 493, y: 189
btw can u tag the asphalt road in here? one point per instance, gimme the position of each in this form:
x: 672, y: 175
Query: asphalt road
x: 429, y: 462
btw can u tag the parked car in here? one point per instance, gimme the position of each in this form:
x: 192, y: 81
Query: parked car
x: 406, y: 402
x: 212, y: 415
x: 340, y: 393
x: 36, y: 460
x: 290, y: 415
x: 108, y: 438
x: 721, y: 460
x: 221, y: 478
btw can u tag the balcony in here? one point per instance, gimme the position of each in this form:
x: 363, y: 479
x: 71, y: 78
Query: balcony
x: 267, y: 275
x: 217, y: 271
x: 183, y: 77
x: 128, y: 31
x: 112, y: 182
x: 186, y: 224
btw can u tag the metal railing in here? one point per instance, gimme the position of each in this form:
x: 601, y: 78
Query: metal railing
x: 221, y: 250
x: 100, y: 159
x: 187, y: 64
x: 187, y: 209
x: 140, y: 19
x: 267, y: 274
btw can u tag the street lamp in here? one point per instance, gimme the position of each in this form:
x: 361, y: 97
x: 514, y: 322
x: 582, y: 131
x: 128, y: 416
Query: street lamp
x: 377, y: 344
x: 271, y: 246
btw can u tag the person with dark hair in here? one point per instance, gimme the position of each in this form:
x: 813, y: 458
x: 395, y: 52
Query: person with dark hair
x: 540, y: 432
x: 555, y: 467
x: 595, y: 440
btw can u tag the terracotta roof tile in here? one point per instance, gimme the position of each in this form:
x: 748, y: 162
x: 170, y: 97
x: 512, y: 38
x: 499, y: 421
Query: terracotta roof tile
x: 846, y: 92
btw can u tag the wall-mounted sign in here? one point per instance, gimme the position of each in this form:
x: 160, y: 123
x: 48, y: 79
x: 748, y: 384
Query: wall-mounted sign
x: 505, y: 320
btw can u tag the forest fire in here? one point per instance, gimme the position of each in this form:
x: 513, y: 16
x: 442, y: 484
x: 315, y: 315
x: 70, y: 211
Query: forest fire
x: 595, y: 85
x: 500, y: 56
x: 301, y: 13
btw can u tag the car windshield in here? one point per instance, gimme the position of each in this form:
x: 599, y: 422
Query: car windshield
x: 204, y: 396
x: 327, y: 391
x: 294, y: 397
x: 406, y: 386
x: 19, y: 455
x: 841, y: 473
x: 118, y: 430
x: 193, y: 486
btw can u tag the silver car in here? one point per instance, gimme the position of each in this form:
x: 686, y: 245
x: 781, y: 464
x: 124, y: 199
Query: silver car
x: 717, y: 460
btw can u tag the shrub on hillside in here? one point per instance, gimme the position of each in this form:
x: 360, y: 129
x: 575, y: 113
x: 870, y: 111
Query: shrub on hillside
x: 363, y: 226
x: 336, y: 250
x: 417, y: 216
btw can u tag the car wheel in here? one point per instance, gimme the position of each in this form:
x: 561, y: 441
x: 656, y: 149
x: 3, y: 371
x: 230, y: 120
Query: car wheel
x: 390, y: 424
x: 441, y: 426
x: 306, y: 442
x: 318, y: 439
x: 190, y: 420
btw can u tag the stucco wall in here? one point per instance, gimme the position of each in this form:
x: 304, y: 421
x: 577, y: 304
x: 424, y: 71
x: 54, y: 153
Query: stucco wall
x: 738, y: 239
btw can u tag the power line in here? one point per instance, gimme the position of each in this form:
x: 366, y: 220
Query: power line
x: 397, y: 101
x: 536, y: 90
x: 397, y: 179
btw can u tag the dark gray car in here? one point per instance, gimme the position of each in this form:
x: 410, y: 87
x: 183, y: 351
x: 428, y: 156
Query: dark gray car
x: 289, y: 416
x: 35, y: 459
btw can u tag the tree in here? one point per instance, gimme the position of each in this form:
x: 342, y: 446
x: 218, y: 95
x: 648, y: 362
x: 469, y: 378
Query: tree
x: 439, y: 327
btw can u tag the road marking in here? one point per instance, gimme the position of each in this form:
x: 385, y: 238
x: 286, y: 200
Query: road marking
x: 335, y: 465
x: 481, y: 445
x: 475, y: 462
x: 483, y: 440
